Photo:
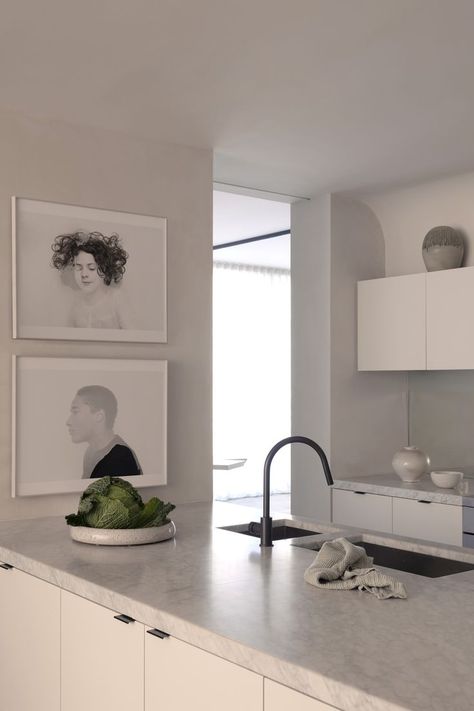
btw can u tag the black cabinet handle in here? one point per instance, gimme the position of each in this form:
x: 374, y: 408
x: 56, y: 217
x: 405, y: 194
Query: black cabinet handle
x: 158, y: 633
x: 424, y: 501
x: 6, y: 566
x: 362, y: 493
x: 124, y: 618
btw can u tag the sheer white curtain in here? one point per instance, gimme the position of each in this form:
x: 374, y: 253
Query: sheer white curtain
x: 251, y: 381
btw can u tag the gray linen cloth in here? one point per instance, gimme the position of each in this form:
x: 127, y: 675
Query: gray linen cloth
x: 340, y: 565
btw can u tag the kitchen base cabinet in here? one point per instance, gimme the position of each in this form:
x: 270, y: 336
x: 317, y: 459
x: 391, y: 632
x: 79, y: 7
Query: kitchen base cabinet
x: 428, y: 520
x: 29, y: 642
x: 102, y: 658
x: 362, y: 510
x: 281, y: 698
x: 181, y: 676
x: 415, y: 518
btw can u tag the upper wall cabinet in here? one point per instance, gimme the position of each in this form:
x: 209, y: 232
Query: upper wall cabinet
x: 391, y: 323
x: 450, y: 335
x: 417, y: 322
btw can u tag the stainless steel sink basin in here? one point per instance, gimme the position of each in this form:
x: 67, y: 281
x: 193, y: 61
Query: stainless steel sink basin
x: 281, y: 530
x: 430, y: 566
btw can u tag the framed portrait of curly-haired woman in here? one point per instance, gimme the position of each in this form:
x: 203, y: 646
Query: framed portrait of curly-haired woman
x: 82, y: 273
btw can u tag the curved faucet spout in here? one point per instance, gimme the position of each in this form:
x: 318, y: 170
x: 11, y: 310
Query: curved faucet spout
x: 266, y: 521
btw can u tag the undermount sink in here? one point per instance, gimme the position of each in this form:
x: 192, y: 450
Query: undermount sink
x: 281, y: 530
x: 430, y: 566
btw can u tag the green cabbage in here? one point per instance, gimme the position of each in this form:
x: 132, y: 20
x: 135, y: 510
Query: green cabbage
x: 111, y: 502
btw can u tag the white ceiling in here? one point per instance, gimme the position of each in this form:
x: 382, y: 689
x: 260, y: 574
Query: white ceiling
x: 296, y: 97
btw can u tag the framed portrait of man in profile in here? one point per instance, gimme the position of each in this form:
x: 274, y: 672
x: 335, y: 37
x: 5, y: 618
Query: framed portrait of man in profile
x: 78, y: 419
x: 82, y: 273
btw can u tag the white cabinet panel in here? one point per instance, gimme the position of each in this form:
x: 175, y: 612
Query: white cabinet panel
x: 391, y: 323
x: 181, y: 676
x: 429, y: 521
x: 281, y: 698
x: 450, y: 336
x: 102, y: 659
x: 361, y: 510
x: 29, y: 643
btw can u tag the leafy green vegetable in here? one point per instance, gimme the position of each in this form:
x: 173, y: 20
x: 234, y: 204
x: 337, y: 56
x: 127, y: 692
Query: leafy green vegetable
x: 154, y: 513
x: 111, y: 502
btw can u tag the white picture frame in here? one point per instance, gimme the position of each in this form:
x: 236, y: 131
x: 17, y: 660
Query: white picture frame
x: 50, y: 452
x: 50, y: 298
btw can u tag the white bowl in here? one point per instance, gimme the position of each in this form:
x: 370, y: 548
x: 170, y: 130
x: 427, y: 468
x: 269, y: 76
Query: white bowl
x: 122, y: 536
x: 446, y: 479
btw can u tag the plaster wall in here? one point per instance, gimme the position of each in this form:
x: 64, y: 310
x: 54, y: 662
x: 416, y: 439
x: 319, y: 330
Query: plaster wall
x: 408, y: 213
x: 359, y: 419
x: 310, y: 352
x: 96, y: 168
x: 440, y: 403
x: 368, y: 410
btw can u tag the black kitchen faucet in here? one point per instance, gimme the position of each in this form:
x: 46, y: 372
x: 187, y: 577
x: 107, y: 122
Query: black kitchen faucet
x: 266, y: 521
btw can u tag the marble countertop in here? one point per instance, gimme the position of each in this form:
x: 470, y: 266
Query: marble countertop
x: 392, y: 485
x: 220, y: 591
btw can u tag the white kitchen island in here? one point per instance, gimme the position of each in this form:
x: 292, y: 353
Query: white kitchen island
x: 218, y: 592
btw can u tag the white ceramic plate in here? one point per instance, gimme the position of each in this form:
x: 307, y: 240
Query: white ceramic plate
x: 122, y: 536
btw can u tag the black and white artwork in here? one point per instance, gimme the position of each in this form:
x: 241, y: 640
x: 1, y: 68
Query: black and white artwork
x: 87, y: 274
x: 77, y: 419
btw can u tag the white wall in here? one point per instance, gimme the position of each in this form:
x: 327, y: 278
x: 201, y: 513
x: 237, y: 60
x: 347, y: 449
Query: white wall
x: 310, y: 353
x: 83, y: 166
x: 358, y: 418
x: 441, y: 403
x: 368, y: 410
x: 408, y: 213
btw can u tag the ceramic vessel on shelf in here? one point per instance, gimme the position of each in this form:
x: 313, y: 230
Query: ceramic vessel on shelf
x: 446, y: 479
x: 443, y: 248
x: 410, y: 463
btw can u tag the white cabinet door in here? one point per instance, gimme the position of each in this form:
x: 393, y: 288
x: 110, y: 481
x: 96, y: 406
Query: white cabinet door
x: 101, y: 658
x: 281, y: 698
x: 429, y: 521
x: 391, y: 323
x: 362, y: 510
x: 181, y: 676
x: 450, y: 335
x: 29, y: 643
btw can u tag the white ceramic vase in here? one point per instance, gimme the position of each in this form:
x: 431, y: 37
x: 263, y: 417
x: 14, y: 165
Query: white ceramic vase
x: 410, y: 463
